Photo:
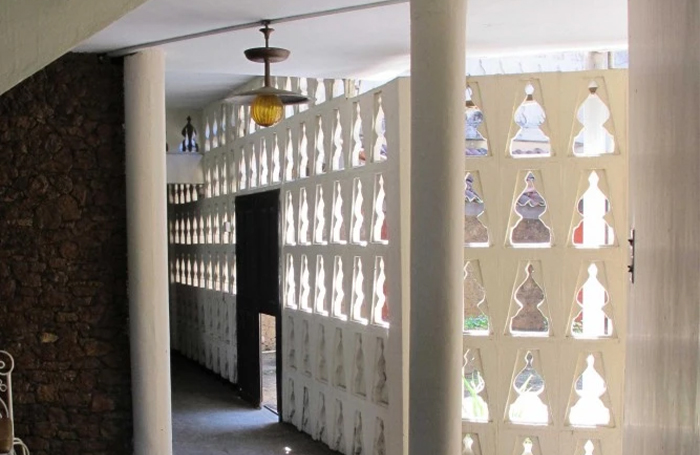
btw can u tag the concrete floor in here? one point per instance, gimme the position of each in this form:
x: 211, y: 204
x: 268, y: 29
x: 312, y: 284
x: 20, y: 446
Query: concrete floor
x: 209, y: 419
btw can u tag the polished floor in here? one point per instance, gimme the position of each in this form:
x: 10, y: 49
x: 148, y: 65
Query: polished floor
x: 209, y: 419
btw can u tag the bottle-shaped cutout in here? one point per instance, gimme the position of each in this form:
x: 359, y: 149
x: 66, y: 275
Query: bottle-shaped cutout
x: 338, y: 229
x: 234, y: 280
x: 593, y: 138
x: 195, y: 274
x: 529, y: 313
x: 207, y: 183
x: 305, y: 348
x: 359, y: 382
x: 291, y: 343
x: 215, y: 134
x: 338, y: 442
x: 304, y: 90
x: 357, y: 435
x: 589, y: 402
x: 304, y: 228
x: 222, y: 140
x: 264, y: 163
x: 339, y: 360
x: 476, y: 234
x: 476, y: 316
x: 215, y: 188
x: 289, y: 109
x: 475, y: 143
x: 529, y: 227
x: 358, y: 234
x: 527, y: 396
x: 305, y: 285
x: 290, y: 286
x: 471, y: 444
x: 320, y: 229
x: 226, y: 277
x: 380, y: 229
x: 207, y: 136
x: 380, y: 149
x: 338, y: 159
x: 321, y: 422
x: 358, y: 300
x: 303, y: 153
x: 474, y: 397
x: 289, y: 230
x: 305, y: 412
x: 593, y: 210
x: 242, y: 171
x: 233, y: 221
x: 380, y: 303
x: 588, y: 447
x: 339, y: 299
x: 527, y: 446
x: 321, y: 296
x: 358, y: 156
x: 320, y: 158
x: 291, y: 402
x: 223, y: 177
x: 322, y: 367
x: 289, y: 158
x: 252, y: 126
x: 232, y: 173
x: 590, y: 313
x: 380, y: 389
x: 379, y: 447
x: 241, y: 122
x: 530, y: 141
x: 253, y: 170
x: 276, y: 160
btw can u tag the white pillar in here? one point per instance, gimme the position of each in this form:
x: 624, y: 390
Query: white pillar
x: 437, y: 186
x: 144, y: 95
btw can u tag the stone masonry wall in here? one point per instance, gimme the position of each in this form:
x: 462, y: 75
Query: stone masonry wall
x: 63, y: 304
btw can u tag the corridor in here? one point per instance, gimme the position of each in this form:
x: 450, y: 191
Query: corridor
x: 209, y: 419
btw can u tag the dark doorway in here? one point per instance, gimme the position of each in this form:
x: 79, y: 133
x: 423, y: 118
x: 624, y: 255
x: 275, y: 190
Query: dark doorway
x: 257, y: 265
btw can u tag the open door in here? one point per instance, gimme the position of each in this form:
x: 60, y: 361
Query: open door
x: 257, y: 265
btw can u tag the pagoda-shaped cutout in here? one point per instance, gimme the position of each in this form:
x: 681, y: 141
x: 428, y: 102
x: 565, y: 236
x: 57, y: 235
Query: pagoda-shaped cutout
x: 359, y: 382
x: 471, y: 444
x: 338, y: 441
x: 338, y: 159
x: 476, y: 319
x: 320, y: 229
x: 304, y: 223
x: 321, y: 296
x: 320, y: 158
x: 357, y: 156
x: 339, y: 360
x: 264, y: 163
x: 290, y: 283
x: 276, y: 161
x: 303, y: 153
x: 529, y: 445
x: 380, y: 303
x: 475, y: 406
x: 379, y: 447
x: 591, y: 312
x: 358, y: 232
x: 321, y: 423
x: 306, y: 347
x: 380, y: 389
x: 289, y: 157
x: 338, y: 229
x: 588, y: 447
x: 529, y: 313
x: 305, y: 285
x: 223, y: 180
x: 529, y: 220
x: 476, y: 233
x: 594, y: 137
x: 242, y: 171
x: 589, y: 404
x: 593, y: 220
x: 305, y: 412
x: 291, y: 402
x: 530, y: 140
x: 475, y: 141
x: 380, y: 149
x: 527, y: 397
x: 360, y: 309
x: 291, y: 342
x: 357, y: 435
x: 253, y: 168
x: 380, y: 229
x: 339, y: 302
x: 322, y: 367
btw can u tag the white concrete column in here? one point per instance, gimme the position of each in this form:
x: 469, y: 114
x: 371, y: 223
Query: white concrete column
x: 662, y: 369
x: 144, y: 95
x: 437, y: 186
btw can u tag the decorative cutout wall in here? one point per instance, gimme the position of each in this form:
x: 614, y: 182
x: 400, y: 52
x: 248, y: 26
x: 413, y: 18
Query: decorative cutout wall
x: 545, y: 263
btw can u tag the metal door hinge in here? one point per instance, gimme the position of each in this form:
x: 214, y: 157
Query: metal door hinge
x: 630, y: 267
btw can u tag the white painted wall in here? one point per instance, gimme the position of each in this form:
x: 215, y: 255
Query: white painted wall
x: 33, y: 33
x: 662, y: 412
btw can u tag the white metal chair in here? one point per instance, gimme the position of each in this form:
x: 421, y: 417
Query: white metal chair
x: 9, y: 444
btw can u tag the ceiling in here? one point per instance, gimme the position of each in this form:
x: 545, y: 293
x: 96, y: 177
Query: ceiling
x: 360, y: 44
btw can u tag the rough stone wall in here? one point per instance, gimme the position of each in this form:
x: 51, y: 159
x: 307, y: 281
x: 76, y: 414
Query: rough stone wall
x: 63, y: 304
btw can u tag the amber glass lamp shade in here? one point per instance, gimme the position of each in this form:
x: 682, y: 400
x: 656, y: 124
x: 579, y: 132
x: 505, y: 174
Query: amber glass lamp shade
x: 267, y: 110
